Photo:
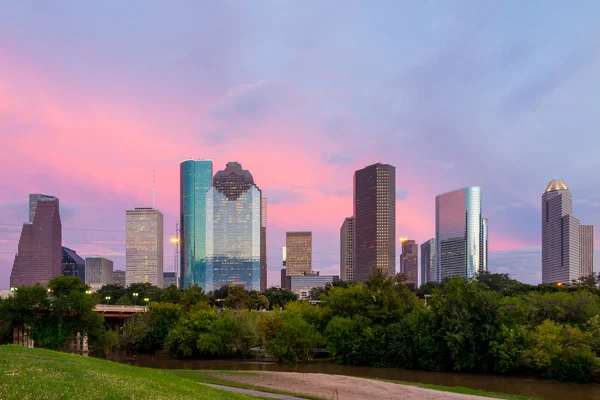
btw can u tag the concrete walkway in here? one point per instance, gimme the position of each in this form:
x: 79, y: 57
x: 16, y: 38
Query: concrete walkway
x: 254, y: 392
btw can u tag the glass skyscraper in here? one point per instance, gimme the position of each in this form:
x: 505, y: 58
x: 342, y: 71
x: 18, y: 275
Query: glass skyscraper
x: 195, y: 182
x: 459, y: 234
x: 233, y: 230
x: 428, y: 269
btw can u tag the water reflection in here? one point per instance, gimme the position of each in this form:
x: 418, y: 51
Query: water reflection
x: 525, y: 386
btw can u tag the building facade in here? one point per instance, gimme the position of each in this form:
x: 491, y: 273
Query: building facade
x: 33, y: 202
x: 374, y: 221
x: 195, y: 182
x: 428, y: 259
x: 302, y: 285
x: 298, y: 248
x: 459, y: 233
x: 263, y: 244
x: 233, y: 230
x: 119, y: 278
x: 72, y: 264
x: 409, y: 262
x: 169, y: 279
x: 586, y: 250
x: 98, y: 272
x: 144, y: 246
x: 484, y: 238
x: 347, y: 250
x: 39, y: 255
x: 560, y: 235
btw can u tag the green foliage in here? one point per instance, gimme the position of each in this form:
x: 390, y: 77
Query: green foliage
x: 172, y: 294
x: 147, y: 331
x: 592, y: 326
x: 113, y: 292
x: 278, y: 297
x: 508, y: 347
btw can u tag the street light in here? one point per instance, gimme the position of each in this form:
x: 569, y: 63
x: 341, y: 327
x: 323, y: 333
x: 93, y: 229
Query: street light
x: 135, y: 294
x: 175, y: 242
x: 146, y: 299
x: 88, y: 291
x: 107, y: 298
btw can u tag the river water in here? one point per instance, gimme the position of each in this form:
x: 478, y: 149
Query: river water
x: 526, y: 386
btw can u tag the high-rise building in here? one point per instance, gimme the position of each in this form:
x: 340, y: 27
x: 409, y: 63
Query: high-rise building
x: 39, y: 256
x: 263, y: 244
x: 195, y: 182
x: 98, y: 272
x: 144, y: 246
x: 72, y: 264
x: 458, y: 233
x: 233, y: 250
x: 284, y: 278
x: 347, y: 250
x: 33, y: 202
x: 119, y: 278
x: 428, y: 267
x: 560, y: 235
x: 169, y: 279
x: 586, y: 257
x: 484, y: 238
x: 298, y: 247
x: 409, y: 261
x: 374, y: 221
x: 302, y: 285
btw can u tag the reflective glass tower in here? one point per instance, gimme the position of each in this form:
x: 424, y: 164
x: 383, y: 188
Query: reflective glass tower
x: 428, y: 269
x: 459, y: 233
x: 233, y: 230
x: 195, y: 182
x: 347, y: 250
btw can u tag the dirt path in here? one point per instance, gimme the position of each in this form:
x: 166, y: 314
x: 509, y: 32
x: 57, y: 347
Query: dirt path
x: 348, y: 388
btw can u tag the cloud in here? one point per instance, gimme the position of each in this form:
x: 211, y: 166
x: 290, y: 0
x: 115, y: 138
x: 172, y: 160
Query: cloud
x: 248, y: 101
x: 523, y: 264
x: 337, y: 159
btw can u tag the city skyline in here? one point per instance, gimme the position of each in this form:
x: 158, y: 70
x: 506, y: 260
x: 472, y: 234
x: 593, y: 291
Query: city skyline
x: 470, y: 102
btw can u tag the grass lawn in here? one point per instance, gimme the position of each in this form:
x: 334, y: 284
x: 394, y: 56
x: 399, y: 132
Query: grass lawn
x: 44, y: 374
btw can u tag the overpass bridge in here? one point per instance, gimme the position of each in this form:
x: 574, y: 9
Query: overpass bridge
x: 115, y: 316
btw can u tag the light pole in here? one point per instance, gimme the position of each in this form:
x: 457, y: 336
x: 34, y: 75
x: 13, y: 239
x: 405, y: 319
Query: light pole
x: 175, y: 242
x: 135, y: 295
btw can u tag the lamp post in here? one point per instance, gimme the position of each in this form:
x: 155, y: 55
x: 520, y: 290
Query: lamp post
x: 135, y: 296
x: 175, y: 242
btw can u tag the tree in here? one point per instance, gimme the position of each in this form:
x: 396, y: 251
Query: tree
x: 172, y: 294
x: 192, y: 295
x: 147, y: 331
x: 496, y: 282
x: 138, y: 292
x: 278, y: 297
x: 111, y: 293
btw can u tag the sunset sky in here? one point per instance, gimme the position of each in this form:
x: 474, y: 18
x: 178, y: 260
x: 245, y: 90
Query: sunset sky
x: 504, y: 95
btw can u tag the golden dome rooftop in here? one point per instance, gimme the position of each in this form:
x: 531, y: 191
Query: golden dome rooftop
x: 556, y: 184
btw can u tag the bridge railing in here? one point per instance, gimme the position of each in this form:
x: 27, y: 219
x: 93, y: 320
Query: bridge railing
x: 119, y: 309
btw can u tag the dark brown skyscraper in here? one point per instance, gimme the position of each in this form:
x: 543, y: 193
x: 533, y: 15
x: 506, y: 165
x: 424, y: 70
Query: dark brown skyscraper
x: 263, y: 244
x: 374, y: 221
x: 586, y: 249
x: 409, y: 264
x: 39, y: 257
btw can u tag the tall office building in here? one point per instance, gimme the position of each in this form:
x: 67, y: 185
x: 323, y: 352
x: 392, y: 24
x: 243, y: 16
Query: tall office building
x: 484, y: 238
x: 72, y: 264
x: 298, y: 248
x: 169, y: 279
x: 409, y: 261
x: 98, y: 272
x: 374, y: 221
x: 233, y: 230
x: 263, y: 244
x: 458, y: 233
x: 33, y: 202
x: 144, y: 246
x: 560, y: 235
x: 195, y: 182
x: 428, y: 267
x: 347, y: 250
x: 39, y: 256
x: 586, y: 257
x: 119, y: 278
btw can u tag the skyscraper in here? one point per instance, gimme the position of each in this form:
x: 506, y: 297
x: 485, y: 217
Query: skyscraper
x: 374, y: 221
x: 144, y: 246
x: 560, y: 235
x: 458, y: 233
x: 195, y: 182
x: 233, y: 230
x: 263, y: 244
x: 347, y: 250
x: 72, y: 264
x: 98, y: 272
x: 119, y: 278
x: 428, y: 267
x: 33, y: 202
x: 39, y: 256
x: 484, y: 238
x: 409, y: 261
x: 586, y: 257
x: 298, y: 249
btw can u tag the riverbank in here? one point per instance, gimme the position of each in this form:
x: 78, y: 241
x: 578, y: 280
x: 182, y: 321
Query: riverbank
x: 44, y: 374
x: 324, y: 386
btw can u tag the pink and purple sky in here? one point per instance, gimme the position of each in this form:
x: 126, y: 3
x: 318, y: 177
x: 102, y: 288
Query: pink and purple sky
x: 453, y: 93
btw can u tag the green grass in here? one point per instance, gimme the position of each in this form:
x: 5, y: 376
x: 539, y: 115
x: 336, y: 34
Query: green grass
x: 44, y: 374
x: 463, y: 390
x: 218, y: 377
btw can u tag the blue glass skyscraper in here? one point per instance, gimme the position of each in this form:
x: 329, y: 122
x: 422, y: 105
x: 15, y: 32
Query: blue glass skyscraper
x: 233, y: 230
x: 459, y: 234
x: 195, y: 183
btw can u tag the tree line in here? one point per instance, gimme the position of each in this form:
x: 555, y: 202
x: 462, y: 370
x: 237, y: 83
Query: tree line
x: 491, y: 324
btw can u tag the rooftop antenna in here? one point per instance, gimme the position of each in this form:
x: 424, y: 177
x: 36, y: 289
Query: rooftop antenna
x: 153, y: 188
